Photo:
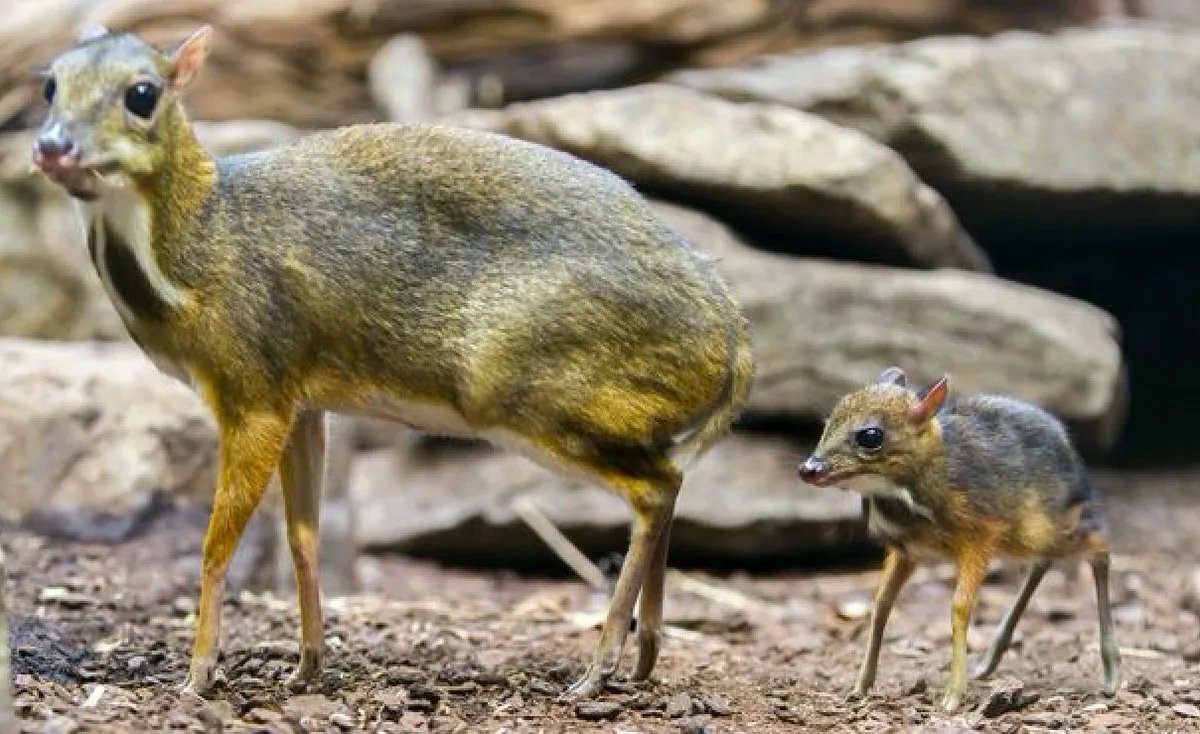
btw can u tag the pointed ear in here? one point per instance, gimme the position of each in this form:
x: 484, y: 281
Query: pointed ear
x: 90, y: 32
x: 892, y: 376
x: 187, y: 57
x: 929, y: 401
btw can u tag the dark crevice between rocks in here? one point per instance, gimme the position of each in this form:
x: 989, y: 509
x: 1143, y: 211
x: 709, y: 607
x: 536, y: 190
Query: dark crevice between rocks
x: 1136, y: 256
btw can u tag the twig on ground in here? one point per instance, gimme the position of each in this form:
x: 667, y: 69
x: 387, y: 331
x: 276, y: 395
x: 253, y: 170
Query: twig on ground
x: 532, y: 515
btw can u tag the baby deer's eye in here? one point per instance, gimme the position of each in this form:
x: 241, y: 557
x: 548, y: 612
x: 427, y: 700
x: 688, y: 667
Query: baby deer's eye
x: 141, y: 98
x: 870, y: 438
x: 49, y: 89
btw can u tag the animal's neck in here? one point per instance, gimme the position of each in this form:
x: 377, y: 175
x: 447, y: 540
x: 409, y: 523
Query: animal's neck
x: 182, y: 181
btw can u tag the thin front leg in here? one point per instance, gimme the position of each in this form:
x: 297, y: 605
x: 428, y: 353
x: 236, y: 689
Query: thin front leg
x: 972, y: 566
x: 1110, y: 653
x: 250, y: 447
x: 300, y: 473
x: 653, y: 506
x: 897, y: 569
x: 1003, y: 638
x: 650, y: 608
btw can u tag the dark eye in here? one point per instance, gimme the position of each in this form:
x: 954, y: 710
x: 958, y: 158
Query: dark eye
x: 870, y: 438
x: 141, y: 98
x: 49, y: 90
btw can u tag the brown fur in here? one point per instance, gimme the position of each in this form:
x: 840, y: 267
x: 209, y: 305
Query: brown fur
x: 460, y: 281
x: 963, y: 480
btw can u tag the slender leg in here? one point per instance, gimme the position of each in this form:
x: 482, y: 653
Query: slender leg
x: 897, y: 569
x: 972, y: 566
x: 249, y: 452
x: 1109, y: 653
x: 650, y: 608
x: 300, y: 473
x: 653, y: 506
x: 1003, y: 638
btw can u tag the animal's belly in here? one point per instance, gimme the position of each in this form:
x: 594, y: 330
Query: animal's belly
x: 441, y: 420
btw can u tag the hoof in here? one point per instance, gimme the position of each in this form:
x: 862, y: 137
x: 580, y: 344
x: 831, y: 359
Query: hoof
x: 589, y: 686
x: 951, y: 701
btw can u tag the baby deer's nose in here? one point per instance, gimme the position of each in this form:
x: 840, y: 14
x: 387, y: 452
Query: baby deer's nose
x: 53, y: 147
x: 812, y: 468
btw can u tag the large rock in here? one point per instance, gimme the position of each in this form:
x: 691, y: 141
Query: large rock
x: 1084, y: 127
x: 807, y: 185
x: 740, y: 503
x: 96, y: 427
x: 823, y: 328
x: 305, y: 62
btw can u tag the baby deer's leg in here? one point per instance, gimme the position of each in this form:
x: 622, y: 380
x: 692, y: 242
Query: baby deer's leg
x: 972, y: 562
x: 249, y: 452
x: 897, y: 569
x: 1003, y: 638
x: 650, y: 607
x: 300, y: 472
x: 1109, y: 652
x: 653, y: 505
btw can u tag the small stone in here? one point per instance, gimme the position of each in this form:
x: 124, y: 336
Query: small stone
x: 64, y: 598
x: 59, y: 725
x: 640, y: 701
x: 679, y: 705
x: 459, y: 689
x: 1007, y: 694
x: 263, y: 716
x: 854, y: 606
x: 789, y: 715
x: 342, y: 720
x: 423, y: 705
x: 597, y: 710
x: 919, y: 686
x: 135, y: 663
x: 1189, y: 710
x: 1095, y: 708
x: 404, y: 674
x: 543, y: 687
x: 184, y: 605
x: 697, y: 725
x: 1047, y: 719
x: 717, y: 706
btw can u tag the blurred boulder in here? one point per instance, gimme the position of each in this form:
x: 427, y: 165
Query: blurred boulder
x: 823, y: 328
x: 1084, y: 128
x: 741, y: 503
x: 95, y: 428
x: 407, y: 85
x: 805, y: 184
x: 304, y: 62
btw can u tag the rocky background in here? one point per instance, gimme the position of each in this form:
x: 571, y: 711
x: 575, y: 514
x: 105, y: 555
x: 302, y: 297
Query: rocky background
x: 1004, y: 190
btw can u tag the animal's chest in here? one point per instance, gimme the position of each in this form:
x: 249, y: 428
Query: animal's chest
x: 892, y: 523
x: 118, y: 238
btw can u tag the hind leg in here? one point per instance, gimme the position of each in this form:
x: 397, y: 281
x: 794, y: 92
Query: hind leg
x: 650, y: 608
x: 1003, y: 638
x: 1110, y: 654
x: 653, y: 503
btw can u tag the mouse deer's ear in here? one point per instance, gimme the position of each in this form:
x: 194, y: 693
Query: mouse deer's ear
x: 90, y: 32
x: 930, y: 401
x: 188, y: 56
x: 892, y: 376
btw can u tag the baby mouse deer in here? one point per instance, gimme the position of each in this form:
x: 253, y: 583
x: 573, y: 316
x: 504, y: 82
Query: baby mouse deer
x: 966, y: 479
x: 461, y: 282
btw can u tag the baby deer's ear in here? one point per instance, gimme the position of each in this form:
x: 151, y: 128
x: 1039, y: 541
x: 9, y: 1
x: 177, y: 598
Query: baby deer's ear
x: 892, y: 376
x: 929, y: 401
x: 187, y: 57
x: 90, y: 32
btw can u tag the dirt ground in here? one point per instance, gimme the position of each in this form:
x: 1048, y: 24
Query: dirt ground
x: 101, y: 635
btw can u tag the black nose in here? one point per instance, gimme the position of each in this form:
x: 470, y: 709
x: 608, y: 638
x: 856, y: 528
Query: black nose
x: 55, y: 147
x: 812, y: 468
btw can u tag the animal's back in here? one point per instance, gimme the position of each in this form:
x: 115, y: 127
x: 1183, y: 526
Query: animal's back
x: 1004, y: 451
x: 479, y: 271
